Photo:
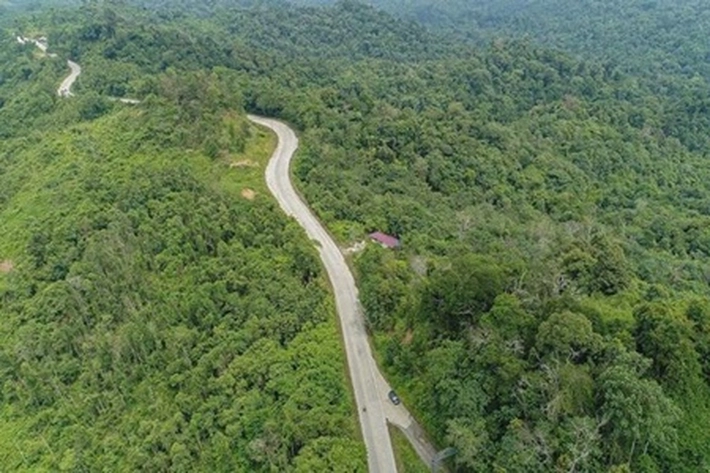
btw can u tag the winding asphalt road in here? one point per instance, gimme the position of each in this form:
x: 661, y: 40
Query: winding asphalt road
x: 65, y: 89
x: 370, y: 387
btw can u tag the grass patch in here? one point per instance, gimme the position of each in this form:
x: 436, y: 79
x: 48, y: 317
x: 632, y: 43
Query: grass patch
x: 407, y: 459
x: 235, y: 172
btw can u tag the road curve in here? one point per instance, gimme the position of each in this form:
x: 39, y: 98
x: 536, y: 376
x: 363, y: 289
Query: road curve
x: 363, y: 371
x: 65, y: 89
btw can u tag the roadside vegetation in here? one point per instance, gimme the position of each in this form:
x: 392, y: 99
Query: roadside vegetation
x: 157, y: 317
x: 548, y: 310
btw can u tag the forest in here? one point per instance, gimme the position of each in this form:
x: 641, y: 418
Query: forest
x: 159, y: 312
x: 646, y: 37
x: 548, y: 309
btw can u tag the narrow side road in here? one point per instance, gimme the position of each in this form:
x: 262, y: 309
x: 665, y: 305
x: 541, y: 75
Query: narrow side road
x: 370, y: 387
x: 65, y: 89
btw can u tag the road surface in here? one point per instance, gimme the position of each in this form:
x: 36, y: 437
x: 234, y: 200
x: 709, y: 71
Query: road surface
x: 65, y: 89
x: 370, y: 387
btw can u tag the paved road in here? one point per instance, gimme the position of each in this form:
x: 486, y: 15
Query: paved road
x: 65, y: 89
x: 371, y: 389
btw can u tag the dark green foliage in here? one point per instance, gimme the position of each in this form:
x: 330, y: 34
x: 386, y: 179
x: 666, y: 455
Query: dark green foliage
x: 459, y: 296
x: 548, y: 308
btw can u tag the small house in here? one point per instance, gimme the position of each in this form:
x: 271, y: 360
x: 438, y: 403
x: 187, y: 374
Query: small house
x: 387, y: 241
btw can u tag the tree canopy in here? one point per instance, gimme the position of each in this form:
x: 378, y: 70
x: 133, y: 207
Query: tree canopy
x: 548, y: 308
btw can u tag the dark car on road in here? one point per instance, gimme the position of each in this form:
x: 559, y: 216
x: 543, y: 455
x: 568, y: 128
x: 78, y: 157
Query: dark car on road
x: 394, y: 398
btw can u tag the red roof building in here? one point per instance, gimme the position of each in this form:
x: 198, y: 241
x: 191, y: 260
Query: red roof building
x: 385, y: 240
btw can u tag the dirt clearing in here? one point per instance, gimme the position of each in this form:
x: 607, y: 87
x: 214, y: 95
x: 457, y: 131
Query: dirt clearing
x: 248, y: 194
x: 356, y: 248
x: 6, y: 266
x: 246, y: 163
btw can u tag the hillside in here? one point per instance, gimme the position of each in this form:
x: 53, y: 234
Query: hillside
x: 548, y: 310
x: 159, y: 312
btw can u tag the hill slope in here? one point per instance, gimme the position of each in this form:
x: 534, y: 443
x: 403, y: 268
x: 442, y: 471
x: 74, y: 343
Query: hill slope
x: 159, y: 313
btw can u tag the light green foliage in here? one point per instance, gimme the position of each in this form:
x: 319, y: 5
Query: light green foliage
x: 154, y: 318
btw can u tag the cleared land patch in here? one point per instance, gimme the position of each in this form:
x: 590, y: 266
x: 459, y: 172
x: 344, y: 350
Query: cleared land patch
x: 6, y: 266
x: 248, y: 194
x: 244, y: 163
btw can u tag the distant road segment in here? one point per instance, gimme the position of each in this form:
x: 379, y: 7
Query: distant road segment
x: 65, y: 89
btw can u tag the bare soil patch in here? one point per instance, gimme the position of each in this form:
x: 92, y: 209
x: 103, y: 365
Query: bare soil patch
x: 408, y: 337
x: 248, y: 194
x: 245, y: 163
x: 356, y: 248
x: 6, y: 266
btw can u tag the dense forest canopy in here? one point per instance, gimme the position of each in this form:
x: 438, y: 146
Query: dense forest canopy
x: 548, y: 310
x: 9, y: 7
x: 644, y: 36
